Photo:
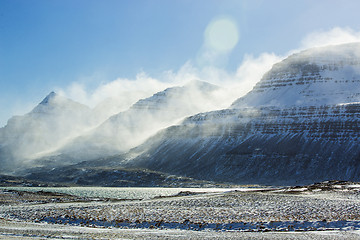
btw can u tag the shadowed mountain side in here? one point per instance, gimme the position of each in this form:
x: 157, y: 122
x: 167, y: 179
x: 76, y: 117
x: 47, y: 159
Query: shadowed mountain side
x: 300, y: 124
x: 268, y: 149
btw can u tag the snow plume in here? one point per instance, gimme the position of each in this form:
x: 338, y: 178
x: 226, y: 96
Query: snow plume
x: 252, y: 69
x: 192, y: 90
x: 110, y: 100
x: 334, y: 36
x: 118, y: 95
x: 51, y: 123
x: 235, y: 84
x: 115, y: 96
x: 117, y: 120
x: 130, y: 128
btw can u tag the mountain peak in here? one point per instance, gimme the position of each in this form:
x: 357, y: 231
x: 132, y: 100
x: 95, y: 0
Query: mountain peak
x: 317, y: 76
x: 49, y: 97
x: 56, y: 101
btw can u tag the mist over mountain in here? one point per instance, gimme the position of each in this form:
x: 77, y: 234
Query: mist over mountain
x: 52, y: 122
x: 60, y: 131
x: 130, y: 128
x: 300, y: 124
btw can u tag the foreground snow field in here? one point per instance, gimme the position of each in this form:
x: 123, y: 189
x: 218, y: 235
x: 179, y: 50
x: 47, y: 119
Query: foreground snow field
x: 26, y: 230
x: 323, y: 211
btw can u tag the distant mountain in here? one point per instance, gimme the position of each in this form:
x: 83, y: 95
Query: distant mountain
x: 48, y: 125
x: 300, y: 124
x: 130, y: 128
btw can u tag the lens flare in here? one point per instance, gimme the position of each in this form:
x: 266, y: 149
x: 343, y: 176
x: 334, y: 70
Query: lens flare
x: 222, y: 35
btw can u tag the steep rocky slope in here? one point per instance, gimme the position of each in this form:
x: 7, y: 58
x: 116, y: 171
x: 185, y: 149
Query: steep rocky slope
x: 300, y: 124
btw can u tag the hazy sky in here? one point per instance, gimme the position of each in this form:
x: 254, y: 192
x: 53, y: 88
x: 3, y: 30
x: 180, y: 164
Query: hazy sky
x: 47, y: 45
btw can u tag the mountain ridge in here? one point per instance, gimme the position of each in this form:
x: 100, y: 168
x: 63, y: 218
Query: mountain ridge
x: 124, y: 130
x: 265, y: 142
x: 300, y: 124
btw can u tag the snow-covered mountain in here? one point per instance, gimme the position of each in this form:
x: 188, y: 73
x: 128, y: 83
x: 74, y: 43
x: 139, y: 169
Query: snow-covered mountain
x: 130, y: 128
x: 318, y: 76
x: 49, y: 124
x: 300, y: 123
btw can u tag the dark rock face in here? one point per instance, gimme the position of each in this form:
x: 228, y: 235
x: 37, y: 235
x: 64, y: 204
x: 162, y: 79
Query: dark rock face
x: 112, y: 177
x: 300, y: 124
x: 276, y: 147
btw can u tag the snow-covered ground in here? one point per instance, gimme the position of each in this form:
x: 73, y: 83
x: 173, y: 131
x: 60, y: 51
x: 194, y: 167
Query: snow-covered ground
x: 297, y: 213
x: 26, y: 230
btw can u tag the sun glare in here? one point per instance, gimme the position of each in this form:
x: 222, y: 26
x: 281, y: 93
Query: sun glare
x: 222, y: 35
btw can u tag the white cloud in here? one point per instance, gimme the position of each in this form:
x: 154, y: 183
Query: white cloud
x: 141, y: 86
x: 124, y: 92
x: 253, y: 68
x: 117, y: 95
x: 241, y: 81
x: 333, y: 36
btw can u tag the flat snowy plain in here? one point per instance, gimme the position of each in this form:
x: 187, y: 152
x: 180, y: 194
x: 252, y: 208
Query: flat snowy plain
x: 320, y: 211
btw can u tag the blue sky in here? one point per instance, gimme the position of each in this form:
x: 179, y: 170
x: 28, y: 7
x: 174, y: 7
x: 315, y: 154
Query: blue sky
x: 50, y: 44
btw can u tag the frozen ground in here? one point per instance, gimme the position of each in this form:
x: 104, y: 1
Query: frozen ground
x: 26, y: 230
x: 324, y: 211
